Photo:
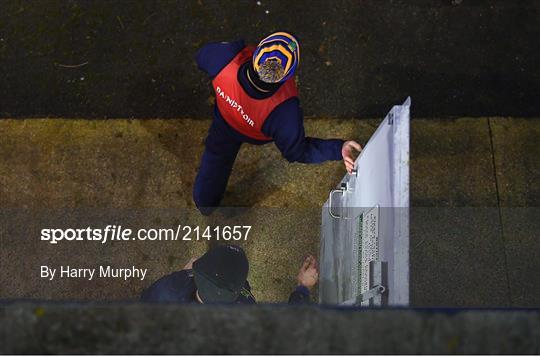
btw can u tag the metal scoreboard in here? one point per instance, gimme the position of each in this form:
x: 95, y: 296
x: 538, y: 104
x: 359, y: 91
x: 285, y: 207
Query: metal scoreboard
x: 364, y: 257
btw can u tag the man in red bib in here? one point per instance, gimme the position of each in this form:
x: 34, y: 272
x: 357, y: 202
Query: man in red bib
x: 256, y: 102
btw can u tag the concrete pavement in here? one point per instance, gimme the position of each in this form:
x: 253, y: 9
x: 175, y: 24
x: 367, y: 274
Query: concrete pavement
x: 135, y: 59
x: 474, y: 228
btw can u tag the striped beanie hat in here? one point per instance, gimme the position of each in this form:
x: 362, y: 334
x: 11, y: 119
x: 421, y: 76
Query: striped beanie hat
x: 276, y: 57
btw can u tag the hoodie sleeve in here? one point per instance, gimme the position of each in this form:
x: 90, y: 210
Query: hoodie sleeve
x: 285, y: 126
x: 212, y: 57
x: 299, y: 296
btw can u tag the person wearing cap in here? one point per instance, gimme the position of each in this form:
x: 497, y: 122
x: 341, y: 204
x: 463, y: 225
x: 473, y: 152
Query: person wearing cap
x: 257, y: 103
x: 220, y: 276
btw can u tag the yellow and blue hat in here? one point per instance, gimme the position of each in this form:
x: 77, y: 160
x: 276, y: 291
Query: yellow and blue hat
x: 276, y: 57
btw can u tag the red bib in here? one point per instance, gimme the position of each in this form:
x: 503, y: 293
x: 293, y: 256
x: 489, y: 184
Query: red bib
x: 244, y: 113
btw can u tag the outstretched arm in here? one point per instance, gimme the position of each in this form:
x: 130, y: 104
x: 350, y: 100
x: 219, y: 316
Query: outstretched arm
x: 286, y: 126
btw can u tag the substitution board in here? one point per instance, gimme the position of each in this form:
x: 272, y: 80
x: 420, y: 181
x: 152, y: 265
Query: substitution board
x: 364, y: 258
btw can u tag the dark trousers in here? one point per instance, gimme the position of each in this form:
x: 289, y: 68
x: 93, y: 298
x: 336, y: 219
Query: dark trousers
x: 216, y: 165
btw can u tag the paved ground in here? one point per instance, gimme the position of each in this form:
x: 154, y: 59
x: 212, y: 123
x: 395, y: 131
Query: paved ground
x: 135, y: 59
x: 474, y: 230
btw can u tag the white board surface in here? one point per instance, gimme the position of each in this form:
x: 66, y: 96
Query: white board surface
x: 368, y: 218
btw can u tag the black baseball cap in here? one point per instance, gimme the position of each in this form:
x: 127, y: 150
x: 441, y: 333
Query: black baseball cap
x: 221, y: 273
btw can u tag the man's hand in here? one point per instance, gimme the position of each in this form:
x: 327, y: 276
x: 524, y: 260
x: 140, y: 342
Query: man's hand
x: 308, y: 274
x: 189, y: 264
x: 347, y: 151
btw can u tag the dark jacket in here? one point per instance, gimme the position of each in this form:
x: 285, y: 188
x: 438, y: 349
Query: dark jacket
x: 285, y: 125
x: 179, y: 287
